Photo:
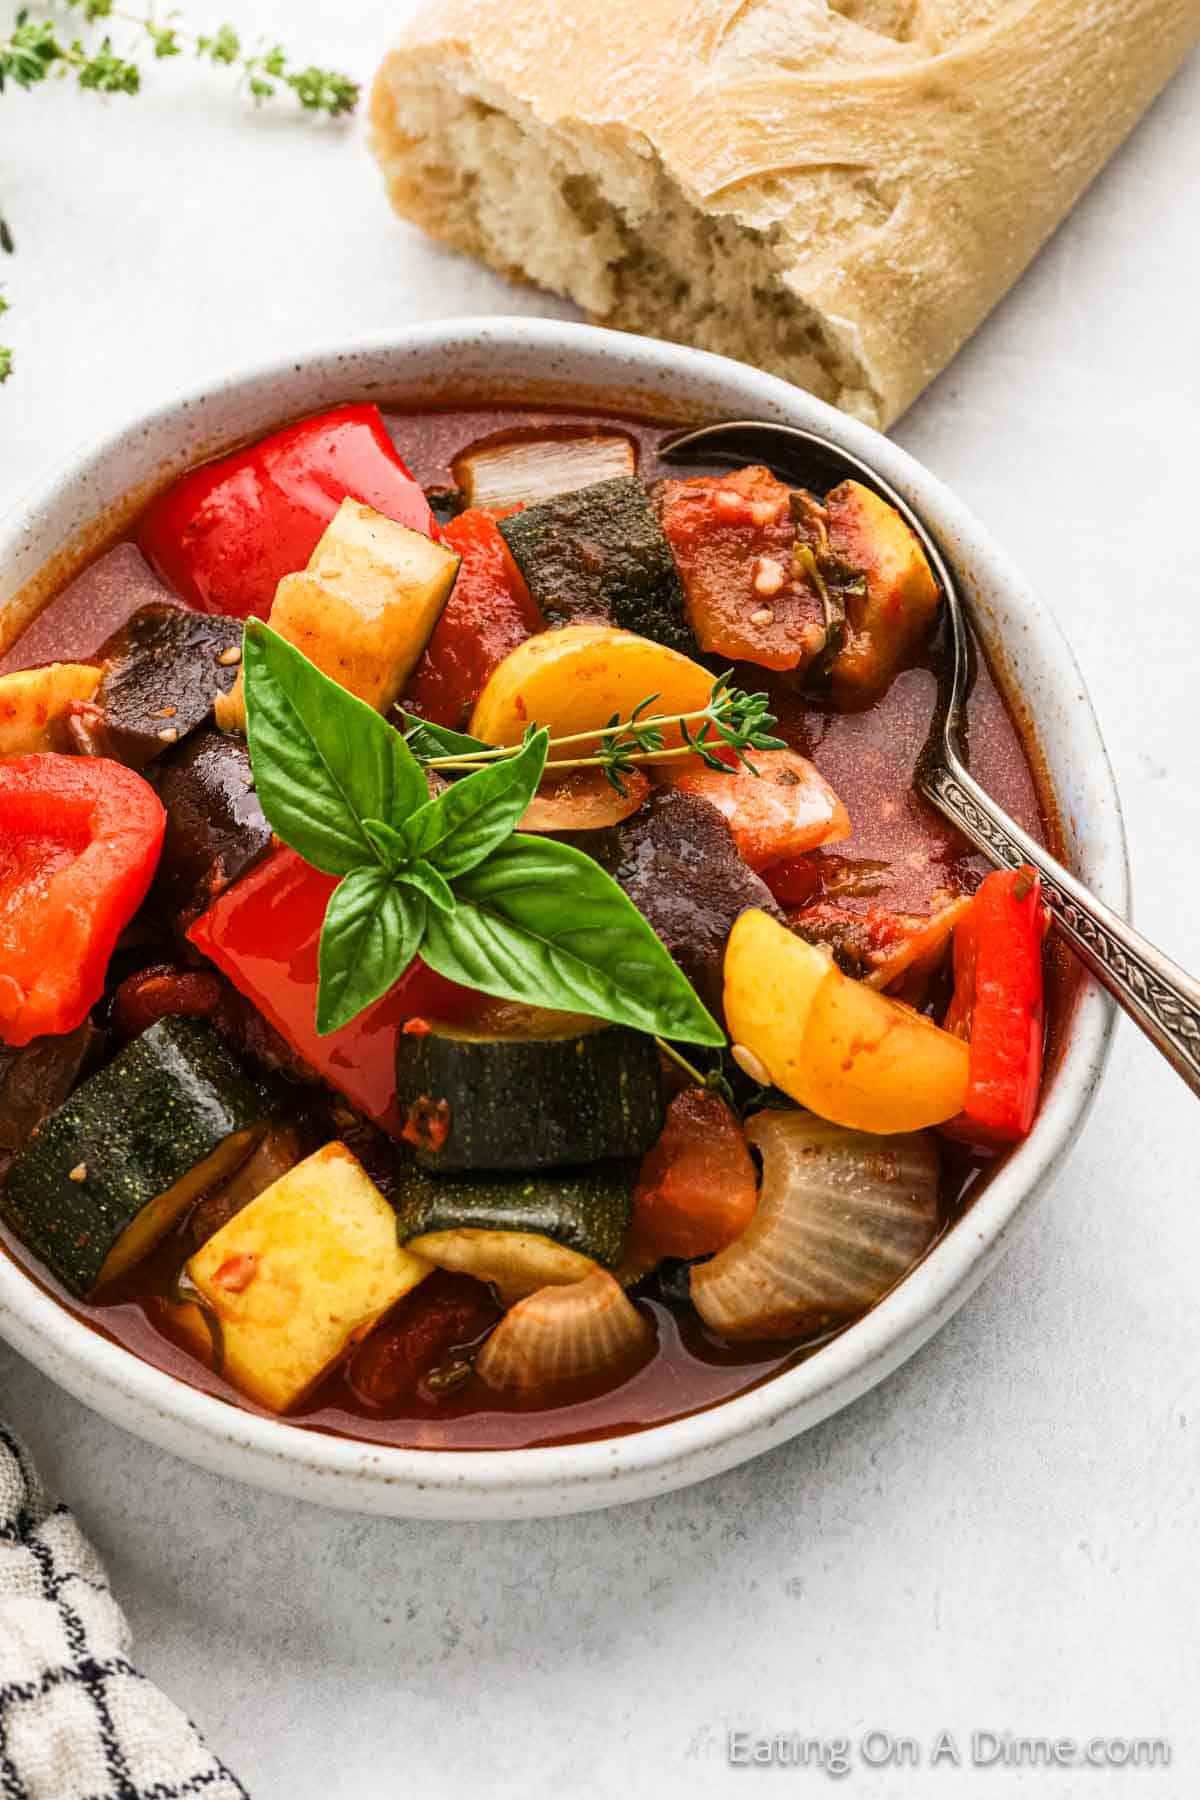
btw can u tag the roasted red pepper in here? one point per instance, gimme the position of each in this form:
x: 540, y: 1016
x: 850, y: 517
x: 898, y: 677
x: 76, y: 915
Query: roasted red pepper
x: 264, y: 932
x: 488, y: 614
x: 226, y: 533
x: 997, y: 1007
x: 79, y: 842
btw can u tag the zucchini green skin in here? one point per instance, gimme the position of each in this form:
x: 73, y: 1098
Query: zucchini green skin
x: 172, y: 1102
x: 541, y: 1103
x: 588, y: 1209
x: 599, y: 555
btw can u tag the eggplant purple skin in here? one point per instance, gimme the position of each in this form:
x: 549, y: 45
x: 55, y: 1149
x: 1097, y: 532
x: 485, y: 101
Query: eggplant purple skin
x: 215, y: 825
x: 678, y: 863
x: 162, y: 672
x: 35, y: 1081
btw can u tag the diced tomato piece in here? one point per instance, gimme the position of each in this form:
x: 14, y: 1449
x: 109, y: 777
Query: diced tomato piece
x: 79, y: 843
x: 264, y: 933
x: 489, y: 613
x: 794, y: 882
x: 226, y: 533
x: 733, y: 538
x: 776, y: 814
x: 998, y: 1007
x: 697, y: 1188
x: 447, y: 1312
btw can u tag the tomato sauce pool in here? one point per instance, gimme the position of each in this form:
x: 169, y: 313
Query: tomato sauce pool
x: 900, y: 855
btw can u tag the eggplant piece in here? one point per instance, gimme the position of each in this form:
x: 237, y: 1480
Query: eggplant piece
x: 163, y: 671
x: 680, y: 867
x: 76, y: 624
x: 35, y: 1081
x: 598, y: 556
x: 215, y: 825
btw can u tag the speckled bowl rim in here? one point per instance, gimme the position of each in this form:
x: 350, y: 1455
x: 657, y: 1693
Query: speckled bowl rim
x: 577, y: 1477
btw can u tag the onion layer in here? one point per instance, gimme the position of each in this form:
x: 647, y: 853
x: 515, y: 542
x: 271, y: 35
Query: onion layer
x: 565, y: 1334
x: 842, y: 1215
x: 523, y: 469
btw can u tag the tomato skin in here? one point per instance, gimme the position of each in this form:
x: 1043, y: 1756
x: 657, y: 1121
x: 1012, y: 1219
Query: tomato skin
x: 264, y: 933
x: 79, y: 843
x: 998, y: 1007
x: 697, y: 1188
x: 226, y: 533
x: 488, y: 614
x: 445, y: 1312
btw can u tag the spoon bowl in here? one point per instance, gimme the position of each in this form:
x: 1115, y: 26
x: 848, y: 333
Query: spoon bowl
x: 1162, y: 999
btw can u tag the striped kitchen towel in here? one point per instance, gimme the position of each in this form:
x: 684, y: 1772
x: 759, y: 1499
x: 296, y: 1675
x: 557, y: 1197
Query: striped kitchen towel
x: 77, y: 1721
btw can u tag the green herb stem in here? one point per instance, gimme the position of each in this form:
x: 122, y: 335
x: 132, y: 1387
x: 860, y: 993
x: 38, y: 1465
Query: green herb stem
x: 471, y: 758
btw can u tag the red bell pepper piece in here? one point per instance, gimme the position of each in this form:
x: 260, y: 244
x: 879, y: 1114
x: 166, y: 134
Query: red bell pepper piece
x: 997, y: 1007
x: 79, y: 843
x: 489, y: 613
x: 264, y: 933
x: 226, y: 533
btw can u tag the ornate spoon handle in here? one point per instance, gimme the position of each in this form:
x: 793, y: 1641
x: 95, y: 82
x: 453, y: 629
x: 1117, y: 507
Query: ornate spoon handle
x: 1160, y: 997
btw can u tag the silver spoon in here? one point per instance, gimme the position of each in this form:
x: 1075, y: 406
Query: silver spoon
x: 1159, y: 997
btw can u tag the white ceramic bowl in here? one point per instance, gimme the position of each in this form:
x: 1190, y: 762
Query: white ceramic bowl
x: 543, y: 360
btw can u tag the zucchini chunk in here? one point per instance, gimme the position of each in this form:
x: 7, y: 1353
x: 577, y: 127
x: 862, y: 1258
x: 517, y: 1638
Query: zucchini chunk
x: 363, y: 609
x: 298, y: 1277
x: 105, y: 1178
x: 586, y: 1210
x: 515, y: 1263
x: 162, y: 673
x: 35, y: 703
x: 536, y: 1102
x: 515, y: 471
x: 599, y: 555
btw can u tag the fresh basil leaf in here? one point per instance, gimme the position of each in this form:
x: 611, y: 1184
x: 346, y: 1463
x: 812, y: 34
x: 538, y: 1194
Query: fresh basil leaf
x: 474, y: 815
x: 323, y: 760
x: 541, y: 923
x: 387, y: 843
x: 427, y: 740
x: 426, y: 880
x: 371, y: 933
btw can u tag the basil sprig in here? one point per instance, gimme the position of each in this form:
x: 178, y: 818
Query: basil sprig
x: 520, y: 917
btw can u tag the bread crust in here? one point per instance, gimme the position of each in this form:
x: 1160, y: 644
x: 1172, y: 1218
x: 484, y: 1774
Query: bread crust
x: 839, y: 192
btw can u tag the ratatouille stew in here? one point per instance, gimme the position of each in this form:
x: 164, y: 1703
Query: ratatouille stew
x: 474, y: 970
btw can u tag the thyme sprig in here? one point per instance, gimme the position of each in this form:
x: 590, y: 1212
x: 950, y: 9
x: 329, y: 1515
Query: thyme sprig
x: 731, y: 720
x: 36, y: 49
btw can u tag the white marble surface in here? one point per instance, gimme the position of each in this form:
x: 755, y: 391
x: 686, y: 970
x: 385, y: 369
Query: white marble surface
x: 1001, y: 1538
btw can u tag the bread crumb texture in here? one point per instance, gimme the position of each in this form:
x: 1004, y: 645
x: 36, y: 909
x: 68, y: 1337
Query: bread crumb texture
x: 837, y: 191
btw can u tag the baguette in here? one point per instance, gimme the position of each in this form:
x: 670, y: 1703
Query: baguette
x: 835, y: 190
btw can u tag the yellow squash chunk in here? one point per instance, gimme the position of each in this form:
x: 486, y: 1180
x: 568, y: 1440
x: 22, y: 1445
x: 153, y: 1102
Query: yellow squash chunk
x: 300, y: 1276
x: 574, y: 679
x: 846, y: 1052
x: 900, y: 599
x: 34, y: 701
x: 363, y: 609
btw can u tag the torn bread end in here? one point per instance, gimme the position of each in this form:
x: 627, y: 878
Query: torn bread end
x: 595, y: 217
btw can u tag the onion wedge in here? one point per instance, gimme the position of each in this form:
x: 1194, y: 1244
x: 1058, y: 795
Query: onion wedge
x: 842, y: 1215
x: 565, y: 1334
x: 523, y: 470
